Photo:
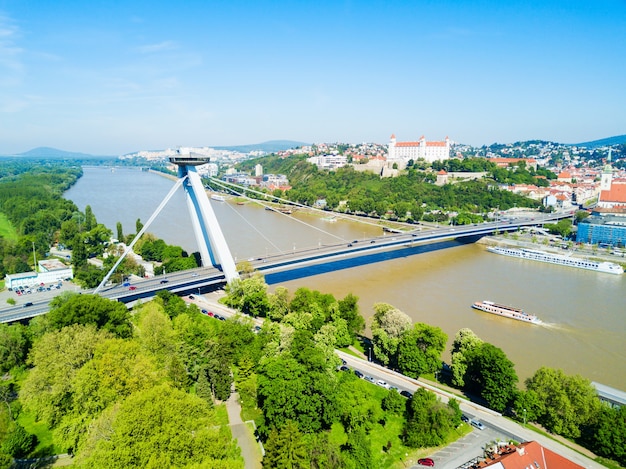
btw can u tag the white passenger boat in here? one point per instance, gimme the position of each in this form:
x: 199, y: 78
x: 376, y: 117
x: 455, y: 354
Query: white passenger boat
x: 559, y: 259
x: 219, y: 198
x: 506, y: 311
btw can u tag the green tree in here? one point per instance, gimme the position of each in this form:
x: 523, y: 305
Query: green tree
x: 491, y: 375
x: 118, y: 369
x: 464, y: 341
x: 567, y: 402
x: 14, y: 345
x: 203, y: 388
x: 298, y: 386
x: 90, y: 219
x: 120, y: 232
x: 248, y: 295
x: 607, y: 435
x: 159, y: 427
x: 393, y: 402
x: 428, y: 421
x: 56, y: 358
x: 278, y: 304
x: 420, y: 349
x: 286, y: 449
x: 349, y: 311
x: 388, y: 326
x: 106, y: 314
x: 19, y: 442
x: 358, y: 451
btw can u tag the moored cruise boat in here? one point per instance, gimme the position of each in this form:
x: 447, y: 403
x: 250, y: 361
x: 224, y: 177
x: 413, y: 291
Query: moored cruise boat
x: 219, y: 198
x: 559, y: 259
x: 506, y: 311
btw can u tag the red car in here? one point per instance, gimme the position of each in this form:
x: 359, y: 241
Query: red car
x: 426, y: 462
x: 133, y: 287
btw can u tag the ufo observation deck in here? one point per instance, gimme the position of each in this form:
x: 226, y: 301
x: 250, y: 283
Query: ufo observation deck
x: 189, y: 160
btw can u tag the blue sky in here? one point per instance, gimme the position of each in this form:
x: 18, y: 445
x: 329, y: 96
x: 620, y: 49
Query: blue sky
x: 115, y: 77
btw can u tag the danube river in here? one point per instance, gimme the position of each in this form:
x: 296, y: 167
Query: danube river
x: 583, y: 312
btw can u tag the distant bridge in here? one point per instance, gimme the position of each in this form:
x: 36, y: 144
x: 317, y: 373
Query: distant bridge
x: 302, y: 263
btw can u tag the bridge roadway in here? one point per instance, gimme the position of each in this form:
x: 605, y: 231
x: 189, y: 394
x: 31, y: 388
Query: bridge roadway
x: 208, y: 278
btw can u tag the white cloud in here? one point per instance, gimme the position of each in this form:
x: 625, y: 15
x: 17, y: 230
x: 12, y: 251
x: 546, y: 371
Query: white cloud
x: 11, y: 66
x: 158, y: 47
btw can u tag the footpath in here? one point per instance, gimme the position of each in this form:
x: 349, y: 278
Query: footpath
x: 243, y: 433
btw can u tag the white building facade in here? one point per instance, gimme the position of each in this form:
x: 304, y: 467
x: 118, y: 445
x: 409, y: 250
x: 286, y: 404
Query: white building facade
x: 401, y: 152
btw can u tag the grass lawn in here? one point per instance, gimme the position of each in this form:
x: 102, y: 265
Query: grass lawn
x: 6, y: 228
x: 45, y: 441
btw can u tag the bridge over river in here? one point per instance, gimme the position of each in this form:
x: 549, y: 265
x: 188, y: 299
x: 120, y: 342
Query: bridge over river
x: 301, y: 263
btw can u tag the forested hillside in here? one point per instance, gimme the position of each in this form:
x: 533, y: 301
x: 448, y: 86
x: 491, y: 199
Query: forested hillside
x: 408, y: 197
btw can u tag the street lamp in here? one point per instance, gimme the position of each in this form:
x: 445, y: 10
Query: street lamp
x: 524, y: 417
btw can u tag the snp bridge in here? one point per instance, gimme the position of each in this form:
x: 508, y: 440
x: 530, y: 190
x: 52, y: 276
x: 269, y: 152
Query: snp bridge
x: 299, y: 263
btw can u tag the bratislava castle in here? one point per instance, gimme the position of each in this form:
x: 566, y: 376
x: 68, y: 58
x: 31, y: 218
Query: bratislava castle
x: 402, y: 152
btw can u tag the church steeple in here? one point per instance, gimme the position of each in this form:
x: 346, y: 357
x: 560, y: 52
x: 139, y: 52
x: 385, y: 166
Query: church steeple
x: 607, y: 174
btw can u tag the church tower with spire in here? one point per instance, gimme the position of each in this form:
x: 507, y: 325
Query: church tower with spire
x: 607, y: 175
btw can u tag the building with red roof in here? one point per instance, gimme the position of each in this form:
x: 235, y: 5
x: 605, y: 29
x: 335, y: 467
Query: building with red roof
x: 526, y: 455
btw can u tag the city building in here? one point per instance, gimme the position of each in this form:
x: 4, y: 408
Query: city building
x: 328, y: 161
x: 525, y: 455
x: 50, y: 271
x: 604, y: 226
x: 401, y: 152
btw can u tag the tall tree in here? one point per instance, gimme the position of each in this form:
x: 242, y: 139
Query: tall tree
x: 286, y: 449
x: 464, y: 341
x: 90, y: 309
x: 159, y: 427
x: 567, y: 402
x: 491, y: 375
x: 120, y: 232
x: 420, y: 349
x: 56, y: 358
x: 90, y: 219
x: 388, y: 326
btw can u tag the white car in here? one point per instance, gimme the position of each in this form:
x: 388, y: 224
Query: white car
x: 382, y: 383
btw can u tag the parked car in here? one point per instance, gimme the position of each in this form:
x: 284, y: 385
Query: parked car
x: 344, y: 368
x: 464, y: 418
x: 382, y: 383
x: 477, y: 423
x: 370, y: 379
x: 426, y: 462
x: 406, y: 394
x: 358, y: 374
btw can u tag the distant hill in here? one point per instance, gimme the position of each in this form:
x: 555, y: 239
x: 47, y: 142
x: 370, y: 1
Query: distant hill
x: 268, y: 147
x: 54, y: 153
x: 617, y: 140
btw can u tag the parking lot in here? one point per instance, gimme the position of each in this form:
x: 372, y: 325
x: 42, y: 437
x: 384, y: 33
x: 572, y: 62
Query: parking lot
x: 36, y: 293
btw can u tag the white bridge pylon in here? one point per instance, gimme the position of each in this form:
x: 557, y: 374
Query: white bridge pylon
x: 209, y: 237
x: 211, y: 241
